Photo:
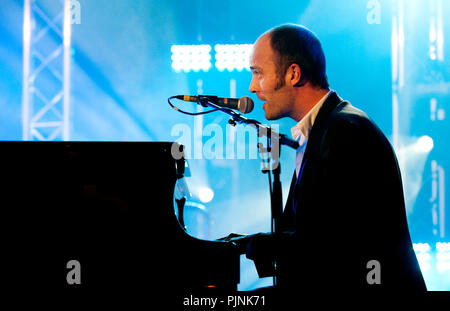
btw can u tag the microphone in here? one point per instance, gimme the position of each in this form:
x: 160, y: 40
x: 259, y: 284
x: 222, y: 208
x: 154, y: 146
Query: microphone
x: 244, y: 104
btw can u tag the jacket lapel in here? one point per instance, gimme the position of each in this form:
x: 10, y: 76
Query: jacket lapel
x: 318, y: 128
x: 312, y: 147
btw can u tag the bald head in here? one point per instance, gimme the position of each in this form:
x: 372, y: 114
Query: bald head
x: 288, y: 68
x: 295, y: 44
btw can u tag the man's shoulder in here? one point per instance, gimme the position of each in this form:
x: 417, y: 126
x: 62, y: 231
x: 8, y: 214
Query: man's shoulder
x: 346, y: 114
x: 347, y: 121
x: 347, y: 117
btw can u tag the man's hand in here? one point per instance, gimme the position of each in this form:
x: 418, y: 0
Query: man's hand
x: 238, y: 239
x: 230, y: 237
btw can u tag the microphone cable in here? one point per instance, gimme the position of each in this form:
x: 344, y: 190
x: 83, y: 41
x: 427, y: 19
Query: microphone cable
x: 187, y: 112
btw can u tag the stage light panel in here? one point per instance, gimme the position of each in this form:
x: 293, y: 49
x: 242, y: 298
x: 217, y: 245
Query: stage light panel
x: 191, y: 57
x: 232, y: 56
x: 443, y: 266
x: 443, y: 246
x: 441, y: 256
x: 421, y: 247
x: 424, y: 261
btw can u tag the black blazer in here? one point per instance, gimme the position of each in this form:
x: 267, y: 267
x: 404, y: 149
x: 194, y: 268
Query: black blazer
x: 345, y: 209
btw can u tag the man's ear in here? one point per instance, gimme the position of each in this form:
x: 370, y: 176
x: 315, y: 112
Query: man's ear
x: 294, y: 75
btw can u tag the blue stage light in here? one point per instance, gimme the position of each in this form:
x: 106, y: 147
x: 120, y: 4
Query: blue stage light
x: 191, y: 57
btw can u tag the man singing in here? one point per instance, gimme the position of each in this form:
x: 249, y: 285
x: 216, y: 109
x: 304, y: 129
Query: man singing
x: 344, y: 226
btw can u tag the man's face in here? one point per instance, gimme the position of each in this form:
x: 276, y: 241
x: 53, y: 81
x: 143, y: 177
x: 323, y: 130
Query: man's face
x: 267, y: 85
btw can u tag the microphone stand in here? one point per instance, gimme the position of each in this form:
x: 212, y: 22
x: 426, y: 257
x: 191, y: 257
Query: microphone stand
x: 281, y: 139
x: 274, y: 142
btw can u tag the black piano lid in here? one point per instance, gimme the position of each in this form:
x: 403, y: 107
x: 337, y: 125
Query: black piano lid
x: 108, y: 205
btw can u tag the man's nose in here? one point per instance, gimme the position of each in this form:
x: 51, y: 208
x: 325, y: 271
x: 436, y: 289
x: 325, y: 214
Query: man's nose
x: 253, y: 86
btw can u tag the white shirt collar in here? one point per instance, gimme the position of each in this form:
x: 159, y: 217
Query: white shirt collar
x: 304, y: 126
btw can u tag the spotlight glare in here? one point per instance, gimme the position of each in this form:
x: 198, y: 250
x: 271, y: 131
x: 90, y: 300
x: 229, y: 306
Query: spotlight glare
x: 424, y: 144
x: 205, y: 194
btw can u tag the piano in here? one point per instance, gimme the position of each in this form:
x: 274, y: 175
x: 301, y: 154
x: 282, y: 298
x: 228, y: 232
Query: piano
x: 110, y: 206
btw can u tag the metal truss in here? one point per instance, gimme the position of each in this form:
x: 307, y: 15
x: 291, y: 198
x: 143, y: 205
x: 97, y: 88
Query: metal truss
x: 418, y: 79
x: 46, y: 70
